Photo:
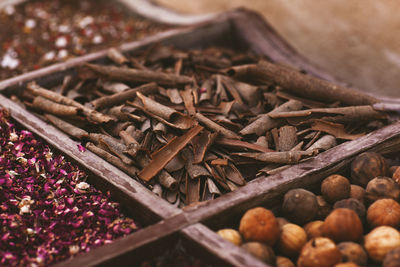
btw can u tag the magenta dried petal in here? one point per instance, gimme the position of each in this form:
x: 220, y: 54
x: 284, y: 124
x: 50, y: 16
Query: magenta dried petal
x: 81, y: 148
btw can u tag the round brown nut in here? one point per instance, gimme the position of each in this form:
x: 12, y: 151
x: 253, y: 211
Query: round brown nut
x: 283, y: 262
x: 324, y: 208
x: 367, y: 166
x: 282, y: 221
x: 396, y: 174
x: 357, y: 192
x: 380, y: 241
x: 343, y: 225
x: 291, y: 240
x: 259, y: 224
x: 313, y: 229
x: 392, y: 258
x: 382, y: 187
x: 384, y: 211
x: 300, y: 206
x: 260, y: 251
x: 353, y: 204
x: 231, y: 235
x: 335, y: 187
x: 353, y: 252
x: 319, y: 251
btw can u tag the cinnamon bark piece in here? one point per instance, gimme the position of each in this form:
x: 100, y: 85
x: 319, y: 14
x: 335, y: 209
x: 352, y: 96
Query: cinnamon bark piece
x: 264, y: 122
x: 216, y: 127
x: 165, y: 114
x: 92, y: 115
x: 51, y: 107
x: 140, y: 76
x: 301, y: 84
x: 288, y: 157
x: 67, y: 127
x: 241, y: 144
x: 118, y: 98
x: 116, y: 56
x: 129, y: 169
x: 161, y: 157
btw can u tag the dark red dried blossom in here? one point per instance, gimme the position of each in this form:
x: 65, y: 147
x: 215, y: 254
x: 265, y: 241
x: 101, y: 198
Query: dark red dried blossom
x: 48, y: 211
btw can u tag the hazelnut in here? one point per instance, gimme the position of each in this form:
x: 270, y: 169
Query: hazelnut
x: 380, y: 241
x: 343, y: 225
x: 346, y: 264
x: 283, y: 262
x: 282, y: 221
x: 353, y: 252
x: 324, y: 208
x: 259, y: 224
x: 367, y: 166
x: 352, y: 204
x: 384, y: 211
x: 357, y: 192
x: 393, y: 169
x: 319, y: 251
x: 231, y: 235
x: 291, y: 240
x: 300, y: 206
x: 392, y: 258
x: 335, y: 187
x: 313, y: 229
x: 260, y: 251
x: 382, y: 187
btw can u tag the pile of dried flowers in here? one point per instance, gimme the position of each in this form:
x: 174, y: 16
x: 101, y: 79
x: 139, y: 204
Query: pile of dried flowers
x: 47, y: 210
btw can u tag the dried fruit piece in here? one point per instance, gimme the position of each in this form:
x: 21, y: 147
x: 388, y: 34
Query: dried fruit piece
x: 367, y: 166
x: 384, y: 212
x: 319, y: 251
x: 300, y: 206
x: 259, y: 224
x: 380, y: 241
x: 335, y: 187
x: 343, y: 225
x: 231, y: 235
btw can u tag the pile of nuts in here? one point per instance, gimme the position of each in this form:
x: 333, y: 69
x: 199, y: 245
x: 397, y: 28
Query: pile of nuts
x: 353, y: 222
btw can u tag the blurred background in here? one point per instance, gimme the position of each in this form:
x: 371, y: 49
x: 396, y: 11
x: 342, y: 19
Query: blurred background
x: 357, y: 41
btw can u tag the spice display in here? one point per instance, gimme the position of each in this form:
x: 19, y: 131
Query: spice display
x: 49, y: 211
x: 191, y: 125
x: 40, y: 33
x: 352, y: 232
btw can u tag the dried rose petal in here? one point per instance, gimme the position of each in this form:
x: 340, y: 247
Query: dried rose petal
x: 48, y: 210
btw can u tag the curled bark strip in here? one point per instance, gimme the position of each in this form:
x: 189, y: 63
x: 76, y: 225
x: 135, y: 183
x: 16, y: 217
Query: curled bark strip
x: 116, y: 56
x: 264, y: 122
x: 91, y: 114
x: 67, y: 127
x: 161, y: 157
x: 166, y: 180
x: 301, y: 84
x: 118, y: 98
x: 140, y: 76
x: 216, y: 127
x: 335, y: 129
x: 51, y: 107
x: 129, y: 169
x: 201, y: 143
x: 324, y: 143
x: 241, y: 144
x: 287, y: 157
x: 167, y: 114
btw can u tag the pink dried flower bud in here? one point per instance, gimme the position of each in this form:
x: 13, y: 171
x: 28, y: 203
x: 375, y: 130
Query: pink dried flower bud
x: 82, y: 187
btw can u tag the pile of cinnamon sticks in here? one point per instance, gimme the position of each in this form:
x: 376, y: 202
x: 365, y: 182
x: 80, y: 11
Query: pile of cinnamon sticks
x: 192, y: 125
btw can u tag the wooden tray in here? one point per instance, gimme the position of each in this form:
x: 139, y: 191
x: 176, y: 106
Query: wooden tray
x: 243, y: 29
